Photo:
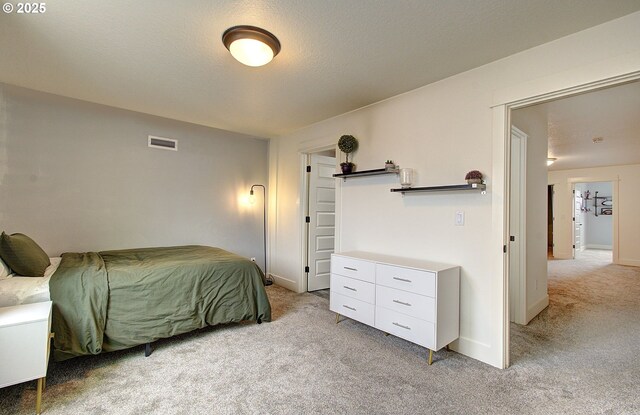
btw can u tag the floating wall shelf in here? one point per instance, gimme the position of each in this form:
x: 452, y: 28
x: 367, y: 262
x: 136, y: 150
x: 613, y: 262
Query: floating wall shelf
x: 376, y: 172
x: 454, y: 187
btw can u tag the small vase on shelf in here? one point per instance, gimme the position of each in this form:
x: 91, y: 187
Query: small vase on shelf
x: 347, y: 167
x: 473, y: 177
x: 406, y: 178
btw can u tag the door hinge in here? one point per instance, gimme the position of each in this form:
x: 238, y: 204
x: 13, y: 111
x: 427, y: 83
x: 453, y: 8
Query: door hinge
x: 307, y: 219
x: 504, y: 248
x: 308, y: 169
x: 574, y: 247
x: 512, y: 238
x: 306, y: 269
x: 573, y: 219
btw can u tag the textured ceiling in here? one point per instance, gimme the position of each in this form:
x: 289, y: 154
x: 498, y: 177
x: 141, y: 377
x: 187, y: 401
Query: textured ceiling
x: 166, y: 58
x: 612, y: 114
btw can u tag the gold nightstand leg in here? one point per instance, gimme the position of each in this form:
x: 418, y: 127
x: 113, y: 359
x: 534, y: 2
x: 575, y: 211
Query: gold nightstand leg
x: 430, y: 356
x: 386, y: 334
x: 337, y: 318
x: 39, y: 396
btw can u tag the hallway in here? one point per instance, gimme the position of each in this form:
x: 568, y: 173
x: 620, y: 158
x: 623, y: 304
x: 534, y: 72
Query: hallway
x: 591, y: 329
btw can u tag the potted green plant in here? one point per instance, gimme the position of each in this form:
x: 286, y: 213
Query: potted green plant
x: 347, y: 144
x: 474, y: 176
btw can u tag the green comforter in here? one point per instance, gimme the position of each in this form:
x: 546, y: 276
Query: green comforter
x: 114, y: 300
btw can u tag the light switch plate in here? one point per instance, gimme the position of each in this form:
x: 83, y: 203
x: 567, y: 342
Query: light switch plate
x: 459, y: 219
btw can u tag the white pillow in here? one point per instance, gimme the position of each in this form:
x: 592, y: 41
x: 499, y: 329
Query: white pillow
x: 5, y: 271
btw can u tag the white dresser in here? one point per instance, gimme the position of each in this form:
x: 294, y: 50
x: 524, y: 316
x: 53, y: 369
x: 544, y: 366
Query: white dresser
x: 24, y: 344
x: 416, y: 300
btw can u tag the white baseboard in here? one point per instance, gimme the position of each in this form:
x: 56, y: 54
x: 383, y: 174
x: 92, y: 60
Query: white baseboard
x: 593, y: 246
x: 537, y: 307
x: 476, y: 350
x: 631, y: 262
x: 285, y: 282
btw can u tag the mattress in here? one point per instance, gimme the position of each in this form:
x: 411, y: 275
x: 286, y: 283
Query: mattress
x: 17, y: 289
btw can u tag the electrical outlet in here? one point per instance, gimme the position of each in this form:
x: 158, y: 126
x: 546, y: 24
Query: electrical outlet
x: 459, y: 219
x: 253, y: 259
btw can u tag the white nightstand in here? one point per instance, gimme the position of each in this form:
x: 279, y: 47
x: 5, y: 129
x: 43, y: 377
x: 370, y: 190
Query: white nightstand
x: 24, y: 344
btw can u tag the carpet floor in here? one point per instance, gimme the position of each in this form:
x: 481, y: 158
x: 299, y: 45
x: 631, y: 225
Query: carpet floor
x: 579, y: 356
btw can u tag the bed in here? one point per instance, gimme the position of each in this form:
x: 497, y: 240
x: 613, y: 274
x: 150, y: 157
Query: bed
x: 113, y: 300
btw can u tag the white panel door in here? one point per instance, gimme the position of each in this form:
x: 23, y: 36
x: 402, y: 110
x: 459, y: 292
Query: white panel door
x: 322, y: 207
x: 517, y: 226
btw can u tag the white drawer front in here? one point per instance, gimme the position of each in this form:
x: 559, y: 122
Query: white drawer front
x: 354, y: 268
x: 418, y: 306
x: 350, y: 287
x: 352, y: 308
x: 409, y: 328
x: 407, y: 279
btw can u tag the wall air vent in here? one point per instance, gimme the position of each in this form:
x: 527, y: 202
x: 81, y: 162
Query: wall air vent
x: 163, y: 143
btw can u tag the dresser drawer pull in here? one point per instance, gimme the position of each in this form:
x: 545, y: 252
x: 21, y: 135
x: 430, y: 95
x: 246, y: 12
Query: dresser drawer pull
x: 350, y: 308
x: 401, y: 326
x: 351, y: 269
x: 402, y: 302
x: 349, y: 288
x: 401, y: 279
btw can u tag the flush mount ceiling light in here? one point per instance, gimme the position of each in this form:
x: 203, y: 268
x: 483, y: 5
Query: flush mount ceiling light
x: 251, y: 45
x: 551, y: 160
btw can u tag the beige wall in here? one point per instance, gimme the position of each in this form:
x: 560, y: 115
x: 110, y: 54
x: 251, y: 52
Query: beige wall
x: 442, y: 130
x: 78, y: 176
x: 626, y: 221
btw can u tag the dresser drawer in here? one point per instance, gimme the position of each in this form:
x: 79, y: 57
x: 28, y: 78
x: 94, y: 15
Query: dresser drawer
x: 350, y: 287
x: 407, y: 279
x: 409, y: 328
x: 418, y: 306
x: 352, y: 308
x: 24, y: 342
x: 354, y: 268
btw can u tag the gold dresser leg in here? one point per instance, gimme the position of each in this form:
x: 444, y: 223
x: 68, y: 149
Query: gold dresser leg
x: 337, y: 318
x: 430, y: 356
x: 39, y: 396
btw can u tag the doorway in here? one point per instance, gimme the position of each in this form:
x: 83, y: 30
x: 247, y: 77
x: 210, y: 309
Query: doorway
x: 594, y: 218
x: 580, y: 165
x: 319, y: 219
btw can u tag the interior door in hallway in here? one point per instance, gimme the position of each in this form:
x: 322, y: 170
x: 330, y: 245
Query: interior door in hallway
x: 577, y: 221
x: 321, y: 218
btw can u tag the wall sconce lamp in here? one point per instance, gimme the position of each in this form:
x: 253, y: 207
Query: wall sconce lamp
x: 252, y: 200
x: 551, y: 160
x: 250, y: 45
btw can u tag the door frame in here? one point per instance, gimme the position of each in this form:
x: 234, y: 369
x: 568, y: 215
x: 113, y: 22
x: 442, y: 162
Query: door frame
x: 305, y: 157
x: 618, y: 71
x: 615, y: 185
